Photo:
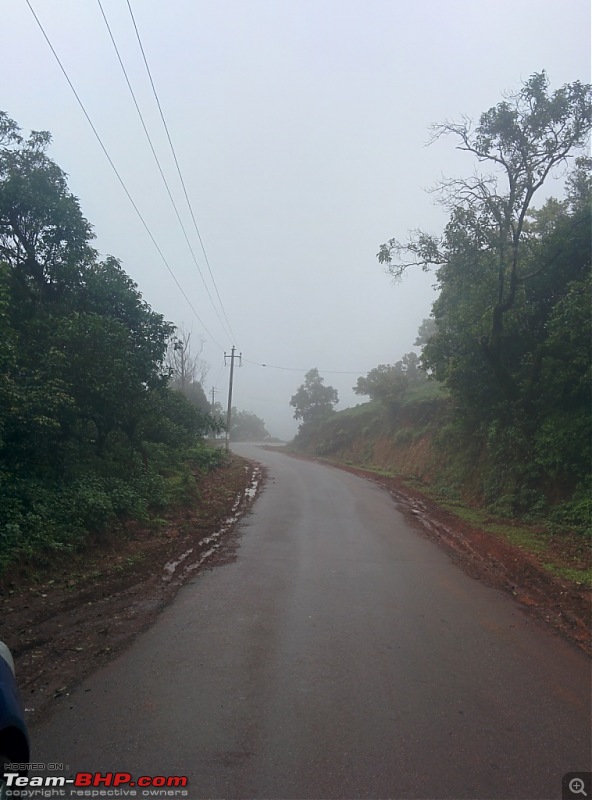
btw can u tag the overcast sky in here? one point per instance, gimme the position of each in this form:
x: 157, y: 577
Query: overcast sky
x: 300, y: 129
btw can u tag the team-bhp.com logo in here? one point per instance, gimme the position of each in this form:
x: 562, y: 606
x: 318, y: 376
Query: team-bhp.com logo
x: 95, y: 783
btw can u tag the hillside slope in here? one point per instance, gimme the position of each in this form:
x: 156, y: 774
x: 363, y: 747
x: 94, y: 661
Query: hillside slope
x: 403, y: 441
x: 421, y: 444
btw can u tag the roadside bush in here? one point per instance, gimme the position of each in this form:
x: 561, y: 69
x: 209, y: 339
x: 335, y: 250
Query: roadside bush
x: 577, y: 513
x: 207, y: 458
x: 403, y: 436
x: 90, y: 504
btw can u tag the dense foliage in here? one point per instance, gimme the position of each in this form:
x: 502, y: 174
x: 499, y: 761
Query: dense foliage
x: 247, y: 427
x: 88, y: 422
x: 390, y: 383
x: 512, y: 319
x: 313, y: 402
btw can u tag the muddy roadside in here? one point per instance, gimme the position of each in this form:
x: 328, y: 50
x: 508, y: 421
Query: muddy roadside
x: 65, y: 620
x: 76, y: 615
x: 562, y: 604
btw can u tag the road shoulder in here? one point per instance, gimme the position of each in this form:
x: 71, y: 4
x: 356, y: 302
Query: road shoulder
x: 562, y: 604
x: 75, y: 615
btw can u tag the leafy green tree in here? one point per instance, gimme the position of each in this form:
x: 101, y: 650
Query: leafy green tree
x: 197, y: 397
x: 169, y: 417
x: 386, y: 383
x: 85, y: 365
x: 9, y: 396
x: 313, y: 401
x: 564, y: 398
x: 425, y: 332
x: 88, y: 420
x: 43, y: 234
x: 522, y: 139
x: 511, y: 335
x: 555, y: 254
x: 411, y: 366
x: 389, y: 383
x: 247, y: 427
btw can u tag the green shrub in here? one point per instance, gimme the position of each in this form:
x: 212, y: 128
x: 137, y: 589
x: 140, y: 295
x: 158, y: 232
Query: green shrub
x: 403, y: 436
x: 207, y: 458
x: 577, y: 512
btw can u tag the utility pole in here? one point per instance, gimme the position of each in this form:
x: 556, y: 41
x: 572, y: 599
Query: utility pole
x: 214, y: 390
x: 232, y: 356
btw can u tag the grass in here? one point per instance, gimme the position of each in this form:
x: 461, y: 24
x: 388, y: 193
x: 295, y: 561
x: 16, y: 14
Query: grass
x: 581, y: 577
x: 362, y: 409
x: 537, y: 541
x: 129, y: 561
x: 424, y: 392
x: 386, y: 473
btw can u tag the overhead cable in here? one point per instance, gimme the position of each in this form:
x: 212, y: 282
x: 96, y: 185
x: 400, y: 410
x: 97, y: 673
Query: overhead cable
x: 296, y: 369
x: 116, y: 171
x: 227, y: 331
x: 178, y: 167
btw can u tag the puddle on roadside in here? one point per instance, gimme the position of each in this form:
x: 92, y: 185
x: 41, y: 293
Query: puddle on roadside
x: 236, y: 512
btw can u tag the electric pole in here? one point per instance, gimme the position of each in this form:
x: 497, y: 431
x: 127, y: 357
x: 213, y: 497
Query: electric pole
x: 214, y: 390
x: 232, y: 356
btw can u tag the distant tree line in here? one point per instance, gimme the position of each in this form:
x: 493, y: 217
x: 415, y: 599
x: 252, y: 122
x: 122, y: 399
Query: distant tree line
x: 247, y: 427
x: 313, y: 403
x: 90, y: 421
x: 390, y: 383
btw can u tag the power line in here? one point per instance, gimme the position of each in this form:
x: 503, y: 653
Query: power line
x: 162, y: 175
x: 116, y: 171
x: 178, y: 167
x: 296, y: 369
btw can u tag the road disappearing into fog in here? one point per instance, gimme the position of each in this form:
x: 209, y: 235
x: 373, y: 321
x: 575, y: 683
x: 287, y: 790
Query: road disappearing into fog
x: 341, y: 655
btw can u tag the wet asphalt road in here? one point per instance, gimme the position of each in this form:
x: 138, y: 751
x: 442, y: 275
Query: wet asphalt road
x: 341, y: 656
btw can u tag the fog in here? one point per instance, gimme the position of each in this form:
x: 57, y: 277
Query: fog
x: 300, y: 127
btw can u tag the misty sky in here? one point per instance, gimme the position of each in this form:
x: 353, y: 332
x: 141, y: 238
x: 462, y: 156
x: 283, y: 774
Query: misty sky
x: 300, y: 128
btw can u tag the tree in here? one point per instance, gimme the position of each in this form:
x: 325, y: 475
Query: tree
x: 9, y: 396
x: 43, y: 234
x: 170, y: 418
x: 411, y: 366
x: 197, y: 397
x: 88, y: 421
x: 313, y: 401
x: 187, y: 371
x: 511, y: 334
x: 555, y: 253
x: 522, y: 140
x: 185, y: 366
x: 247, y: 427
x: 426, y: 330
x: 388, y: 383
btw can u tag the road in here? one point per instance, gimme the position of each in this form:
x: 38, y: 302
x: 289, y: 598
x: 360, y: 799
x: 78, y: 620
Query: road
x: 341, y: 655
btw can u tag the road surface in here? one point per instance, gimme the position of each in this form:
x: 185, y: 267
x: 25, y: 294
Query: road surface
x: 341, y: 655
